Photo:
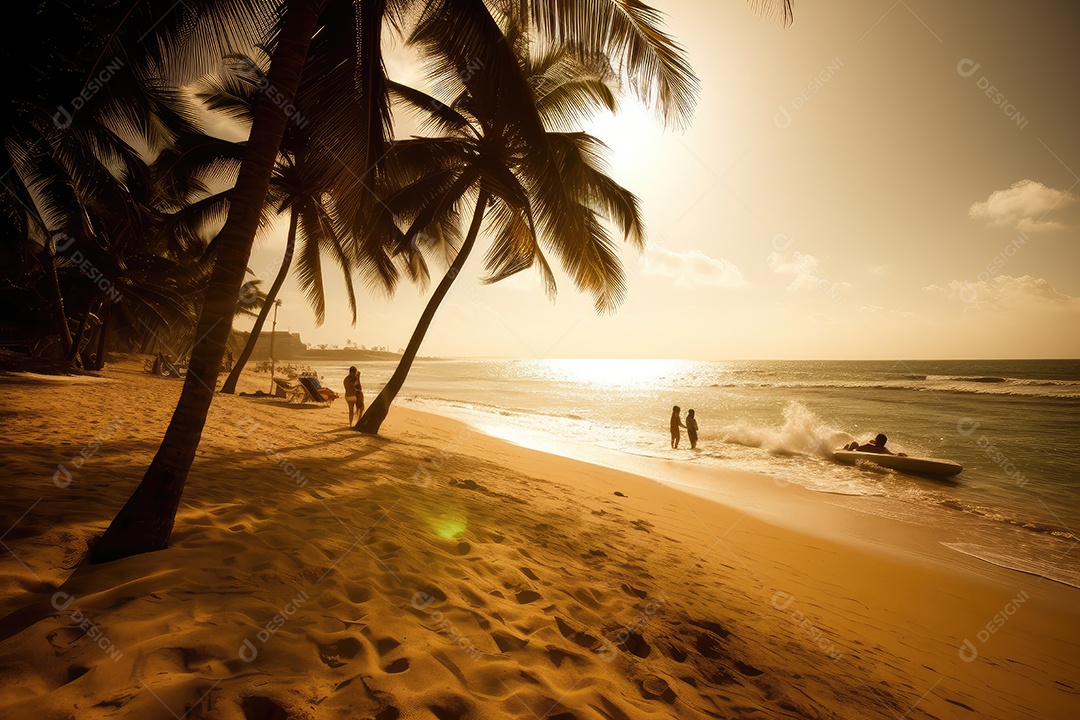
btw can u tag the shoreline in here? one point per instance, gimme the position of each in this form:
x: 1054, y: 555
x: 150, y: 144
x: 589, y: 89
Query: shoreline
x: 536, y: 565
x: 838, y: 516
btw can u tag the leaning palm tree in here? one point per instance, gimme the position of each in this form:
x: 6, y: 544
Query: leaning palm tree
x: 628, y: 33
x: 145, y: 521
x: 559, y: 207
x: 300, y: 188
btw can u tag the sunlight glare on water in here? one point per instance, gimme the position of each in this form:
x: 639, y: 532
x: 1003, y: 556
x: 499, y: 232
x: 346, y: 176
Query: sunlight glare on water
x: 600, y: 372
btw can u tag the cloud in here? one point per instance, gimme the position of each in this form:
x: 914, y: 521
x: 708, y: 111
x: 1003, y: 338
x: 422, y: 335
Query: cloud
x: 803, y: 269
x: 1029, y: 205
x: 691, y: 268
x: 1006, y: 292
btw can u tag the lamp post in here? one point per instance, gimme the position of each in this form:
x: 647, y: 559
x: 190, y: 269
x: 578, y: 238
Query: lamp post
x: 273, y: 330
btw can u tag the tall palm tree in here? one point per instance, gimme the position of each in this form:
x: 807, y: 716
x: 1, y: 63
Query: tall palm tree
x: 300, y: 187
x: 626, y: 32
x: 485, y: 154
x: 145, y: 521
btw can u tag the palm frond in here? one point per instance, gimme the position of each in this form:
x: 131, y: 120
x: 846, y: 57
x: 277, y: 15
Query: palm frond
x: 585, y: 172
x: 654, y: 65
x: 515, y: 248
x: 309, y: 274
x: 593, y: 263
x: 434, y: 114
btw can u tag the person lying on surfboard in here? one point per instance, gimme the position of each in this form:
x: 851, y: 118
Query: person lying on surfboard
x: 877, y: 445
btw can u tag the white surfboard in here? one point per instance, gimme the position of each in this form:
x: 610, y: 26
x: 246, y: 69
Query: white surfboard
x: 917, y: 465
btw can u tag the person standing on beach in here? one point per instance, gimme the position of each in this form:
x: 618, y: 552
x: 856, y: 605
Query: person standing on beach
x: 354, y: 394
x: 691, y: 428
x: 676, y: 423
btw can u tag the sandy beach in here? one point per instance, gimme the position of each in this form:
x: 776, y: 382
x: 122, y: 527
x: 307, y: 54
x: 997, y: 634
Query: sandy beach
x: 437, y: 572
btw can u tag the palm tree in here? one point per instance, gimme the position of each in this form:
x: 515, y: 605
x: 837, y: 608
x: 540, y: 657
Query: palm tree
x: 561, y: 205
x: 145, y: 522
x: 299, y: 186
x: 629, y: 34
x: 82, y: 92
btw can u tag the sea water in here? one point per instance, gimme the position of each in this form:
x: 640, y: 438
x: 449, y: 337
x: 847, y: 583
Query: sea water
x: 1012, y: 424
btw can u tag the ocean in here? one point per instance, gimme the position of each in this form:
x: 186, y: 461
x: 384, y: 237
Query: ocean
x: 1010, y: 423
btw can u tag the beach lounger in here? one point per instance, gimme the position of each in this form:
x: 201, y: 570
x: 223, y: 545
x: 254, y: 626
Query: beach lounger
x: 165, y: 366
x: 315, y: 392
x: 291, y: 390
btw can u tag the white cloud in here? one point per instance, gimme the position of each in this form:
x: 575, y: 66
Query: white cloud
x: 1006, y: 291
x: 1029, y: 205
x: 803, y: 269
x: 691, y: 268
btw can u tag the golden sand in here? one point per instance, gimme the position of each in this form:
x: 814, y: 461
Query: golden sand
x: 435, y: 572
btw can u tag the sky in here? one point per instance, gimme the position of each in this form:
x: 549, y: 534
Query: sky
x: 879, y: 180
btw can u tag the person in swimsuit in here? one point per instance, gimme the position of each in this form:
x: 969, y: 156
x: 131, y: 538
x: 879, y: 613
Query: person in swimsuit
x: 676, y: 423
x: 354, y: 394
x: 691, y: 428
x: 877, y: 445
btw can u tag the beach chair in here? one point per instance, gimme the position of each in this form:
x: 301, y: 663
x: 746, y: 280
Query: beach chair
x: 291, y: 390
x: 165, y: 366
x: 315, y: 392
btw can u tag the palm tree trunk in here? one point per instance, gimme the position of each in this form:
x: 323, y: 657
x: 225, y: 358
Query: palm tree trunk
x: 76, y: 341
x: 264, y: 312
x: 103, y: 330
x: 376, y: 413
x: 48, y: 265
x: 145, y: 522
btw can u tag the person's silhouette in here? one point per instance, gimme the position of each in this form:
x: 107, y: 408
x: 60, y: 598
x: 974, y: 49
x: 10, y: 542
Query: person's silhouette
x: 676, y: 423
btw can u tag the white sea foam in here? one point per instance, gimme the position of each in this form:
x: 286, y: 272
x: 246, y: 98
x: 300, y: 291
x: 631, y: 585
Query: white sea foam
x: 1034, y: 557
x: 802, y: 433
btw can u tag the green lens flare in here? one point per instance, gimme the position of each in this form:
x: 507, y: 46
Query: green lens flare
x: 449, y: 528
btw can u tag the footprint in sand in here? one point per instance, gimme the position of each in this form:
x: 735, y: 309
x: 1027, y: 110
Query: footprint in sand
x: 256, y: 707
x: 713, y: 627
x: 578, y: 637
x: 358, y: 593
x: 677, y: 653
x: 385, y: 645
x: 398, y: 666
x: 709, y: 646
x: 557, y: 656
x: 430, y: 591
x: 748, y: 670
x: 635, y: 644
x: 75, y: 672
x: 654, y: 687
x: 452, y: 707
x: 338, y: 653
x: 527, y: 596
x: 508, y: 643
